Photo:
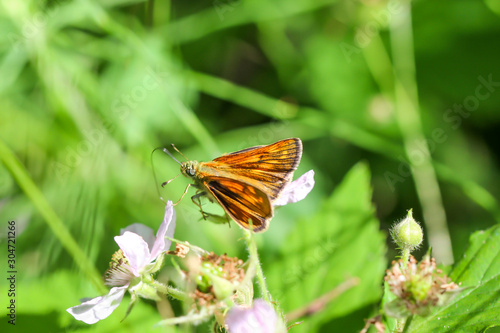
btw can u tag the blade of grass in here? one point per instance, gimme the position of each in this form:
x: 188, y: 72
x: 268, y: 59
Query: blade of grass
x: 408, y: 118
x: 473, y: 190
x: 53, y: 221
x: 228, y: 14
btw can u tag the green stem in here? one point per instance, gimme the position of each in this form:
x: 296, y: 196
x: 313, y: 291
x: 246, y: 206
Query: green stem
x: 171, y: 291
x: 150, y: 7
x: 254, y: 257
x: 203, y: 23
x: 191, y: 318
x: 470, y: 188
x: 405, y: 256
x: 408, y: 117
x: 53, y: 221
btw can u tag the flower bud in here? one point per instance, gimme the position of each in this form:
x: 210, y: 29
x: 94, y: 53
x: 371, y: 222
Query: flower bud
x: 145, y: 290
x: 222, y: 288
x: 418, y: 287
x: 408, y: 233
x: 217, y: 278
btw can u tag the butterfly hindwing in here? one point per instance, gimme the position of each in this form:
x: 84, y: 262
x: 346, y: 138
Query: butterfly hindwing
x: 242, y: 202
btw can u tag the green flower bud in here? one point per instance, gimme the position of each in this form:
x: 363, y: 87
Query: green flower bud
x: 407, y: 234
x: 222, y: 287
x: 203, y: 283
x: 145, y: 290
x: 217, y: 277
x: 208, y: 274
x: 419, y: 288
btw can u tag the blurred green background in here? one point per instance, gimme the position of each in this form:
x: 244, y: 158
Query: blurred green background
x: 89, y: 88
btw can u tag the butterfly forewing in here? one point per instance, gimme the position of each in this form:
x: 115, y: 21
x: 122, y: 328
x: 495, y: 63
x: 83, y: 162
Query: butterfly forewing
x: 243, y: 202
x: 268, y: 168
x: 284, y: 154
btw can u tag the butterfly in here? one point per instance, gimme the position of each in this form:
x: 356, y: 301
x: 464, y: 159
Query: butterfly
x: 245, y: 183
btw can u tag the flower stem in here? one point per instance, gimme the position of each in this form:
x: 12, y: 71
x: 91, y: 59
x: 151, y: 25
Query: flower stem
x: 405, y: 255
x: 261, y: 280
x: 254, y: 257
x: 401, y: 323
x: 171, y: 291
x: 191, y: 318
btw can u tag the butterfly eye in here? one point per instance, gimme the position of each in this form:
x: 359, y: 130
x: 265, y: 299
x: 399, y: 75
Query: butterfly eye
x: 191, y: 171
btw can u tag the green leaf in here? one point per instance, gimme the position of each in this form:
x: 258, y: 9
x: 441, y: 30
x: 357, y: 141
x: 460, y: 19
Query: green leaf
x: 476, y: 308
x: 390, y: 322
x: 341, y: 243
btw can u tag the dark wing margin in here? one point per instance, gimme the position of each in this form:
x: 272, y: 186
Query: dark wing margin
x: 243, y: 150
x: 283, y: 155
x: 242, y: 202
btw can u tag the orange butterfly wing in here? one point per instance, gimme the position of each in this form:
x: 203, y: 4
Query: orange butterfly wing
x: 242, y: 202
x: 268, y: 168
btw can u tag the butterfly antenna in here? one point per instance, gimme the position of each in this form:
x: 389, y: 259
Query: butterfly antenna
x: 165, y: 150
x: 177, y: 150
x: 154, y: 174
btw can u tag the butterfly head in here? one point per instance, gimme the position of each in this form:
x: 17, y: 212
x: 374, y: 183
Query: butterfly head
x: 189, y: 168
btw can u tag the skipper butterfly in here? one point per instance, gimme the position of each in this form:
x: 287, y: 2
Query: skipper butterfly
x: 245, y: 183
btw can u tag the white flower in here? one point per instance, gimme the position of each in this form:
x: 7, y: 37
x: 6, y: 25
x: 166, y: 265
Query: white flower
x: 296, y: 190
x: 261, y: 318
x: 139, y: 249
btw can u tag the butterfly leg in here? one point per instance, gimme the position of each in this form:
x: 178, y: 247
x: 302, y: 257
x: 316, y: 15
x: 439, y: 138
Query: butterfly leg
x: 219, y: 219
x: 196, y: 200
x: 168, y: 181
x: 183, y: 194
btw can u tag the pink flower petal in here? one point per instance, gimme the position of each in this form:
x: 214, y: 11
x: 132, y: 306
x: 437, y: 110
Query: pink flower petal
x: 166, y: 228
x: 142, y: 230
x: 135, y: 249
x: 98, y: 308
x: 260, y: 318
x: 296, y: 190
